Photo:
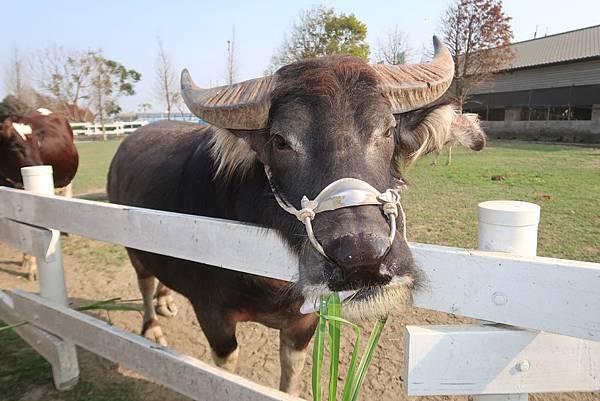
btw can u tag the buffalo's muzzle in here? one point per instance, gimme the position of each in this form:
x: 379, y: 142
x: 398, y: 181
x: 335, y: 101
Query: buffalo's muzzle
x: 357, y: 261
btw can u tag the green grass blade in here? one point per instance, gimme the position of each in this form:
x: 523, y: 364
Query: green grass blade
x: 96, y: 305
x: 342, y: 320
x: 367, y: 357
x: 347, y: 392
x: 334, y: 310
x: 318, y: 352
x: 108, y: 305
x: 113, y: 304
x: 12, y: 326
x: 116, y: 307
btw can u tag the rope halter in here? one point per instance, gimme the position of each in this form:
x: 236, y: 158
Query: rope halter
x: 345, y: 192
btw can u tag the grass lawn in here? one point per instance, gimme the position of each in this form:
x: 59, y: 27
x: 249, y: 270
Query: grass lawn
x: 94, y: 160
x: 441, y: 204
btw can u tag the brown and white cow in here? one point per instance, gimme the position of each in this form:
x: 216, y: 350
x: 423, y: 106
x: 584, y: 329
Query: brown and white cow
x: 36, y: 138
x: 316, y: 152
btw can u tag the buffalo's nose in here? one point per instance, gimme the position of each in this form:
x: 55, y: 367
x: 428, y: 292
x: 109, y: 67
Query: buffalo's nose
x: 358, y: 259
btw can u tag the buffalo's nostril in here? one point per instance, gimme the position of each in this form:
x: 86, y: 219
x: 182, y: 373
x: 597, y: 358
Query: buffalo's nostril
x: 358, y: 257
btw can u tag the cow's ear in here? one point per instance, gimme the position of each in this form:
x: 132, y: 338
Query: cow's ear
x: 6, y: 129
x: 430, y: 129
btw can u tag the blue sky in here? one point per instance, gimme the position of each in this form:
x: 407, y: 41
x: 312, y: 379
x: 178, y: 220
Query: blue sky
x: 195, y: 33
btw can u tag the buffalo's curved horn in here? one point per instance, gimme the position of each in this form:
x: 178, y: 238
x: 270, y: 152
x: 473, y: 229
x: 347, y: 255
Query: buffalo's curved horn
x: 411, y: 86
x: 244, y: 105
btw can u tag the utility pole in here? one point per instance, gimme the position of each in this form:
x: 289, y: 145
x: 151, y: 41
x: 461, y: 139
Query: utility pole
x: 230, y: 62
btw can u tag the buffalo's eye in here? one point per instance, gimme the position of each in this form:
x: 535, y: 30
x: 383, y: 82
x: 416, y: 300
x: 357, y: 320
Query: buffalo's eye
x: 389, y: 132
x: 280, y: 142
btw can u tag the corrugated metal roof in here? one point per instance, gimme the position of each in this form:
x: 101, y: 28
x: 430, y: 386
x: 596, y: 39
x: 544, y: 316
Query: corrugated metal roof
x: 567, y: 46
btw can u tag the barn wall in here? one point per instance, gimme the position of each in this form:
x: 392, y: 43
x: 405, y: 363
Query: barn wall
x: 562, y: 131
x: 561, y: 75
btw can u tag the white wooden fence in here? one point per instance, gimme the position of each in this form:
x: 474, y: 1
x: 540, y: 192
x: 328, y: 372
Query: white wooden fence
x: 112, y: 128
x: 549, y: 308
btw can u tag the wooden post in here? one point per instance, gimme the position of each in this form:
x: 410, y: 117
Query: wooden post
x: 51, y: 274
x: 507, y: 226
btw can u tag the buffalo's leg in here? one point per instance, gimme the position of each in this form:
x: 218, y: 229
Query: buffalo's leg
x: 293, y: 342
x: 147, y: 283
x: 435, y: 157
x: 29, y: 264
x: 219, y: 330
x: 449, y: 161
x: 165, y: 306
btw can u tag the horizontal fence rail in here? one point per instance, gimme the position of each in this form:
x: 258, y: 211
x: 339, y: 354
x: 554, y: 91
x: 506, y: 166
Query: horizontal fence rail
x: 181, y: 373
x: 475, y: 359
x: 195, y: 238
x: 554, y: 295
x: 57, y: 352
x: 35, y: 240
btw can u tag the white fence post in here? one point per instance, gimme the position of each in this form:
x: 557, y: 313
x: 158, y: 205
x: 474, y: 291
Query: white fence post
x: 512, y: 227
x: 51, y: 275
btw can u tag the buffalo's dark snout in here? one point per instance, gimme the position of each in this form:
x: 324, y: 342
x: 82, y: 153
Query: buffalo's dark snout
x: 357, y: 260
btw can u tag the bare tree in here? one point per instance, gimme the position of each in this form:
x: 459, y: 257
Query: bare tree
x: 232, y: 67
x: 166, y: 89
x: 17, y: 78
x: 394, y: 48
x: 67, y: 77
x: 478, y: 34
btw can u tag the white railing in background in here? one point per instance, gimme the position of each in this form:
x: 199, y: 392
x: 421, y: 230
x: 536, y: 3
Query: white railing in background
x: 559, y: 297
x: 114, y: 128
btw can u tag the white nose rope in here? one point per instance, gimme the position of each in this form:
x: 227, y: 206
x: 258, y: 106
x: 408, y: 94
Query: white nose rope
x: 344, y: 192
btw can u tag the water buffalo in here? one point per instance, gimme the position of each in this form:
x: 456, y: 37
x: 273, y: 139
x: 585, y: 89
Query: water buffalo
x: 36, y: 138
x: 316, y: 152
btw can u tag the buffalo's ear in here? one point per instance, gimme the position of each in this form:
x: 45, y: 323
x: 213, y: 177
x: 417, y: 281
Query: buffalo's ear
x: 430, y: 129
x: 256, y: 140
x: 235, y: 151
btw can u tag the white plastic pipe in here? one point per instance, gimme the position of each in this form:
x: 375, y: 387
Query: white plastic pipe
x: 51, y: 276
x: 508, y: 226
x: 512, y: 227
x: 39, y: 180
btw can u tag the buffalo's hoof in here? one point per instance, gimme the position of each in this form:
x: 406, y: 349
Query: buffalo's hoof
x: 165, y: 306
x: 153, y: 332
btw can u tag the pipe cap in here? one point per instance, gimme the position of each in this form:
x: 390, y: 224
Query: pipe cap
x: 508, y: 213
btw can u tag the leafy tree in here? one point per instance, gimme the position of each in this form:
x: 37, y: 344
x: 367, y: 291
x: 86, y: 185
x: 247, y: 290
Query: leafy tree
x: 144, y: 107
x: 74, y: 80
x: 478, y: 34
x: 110, y: 80
x: 320, y: 31
x: 12, y: 105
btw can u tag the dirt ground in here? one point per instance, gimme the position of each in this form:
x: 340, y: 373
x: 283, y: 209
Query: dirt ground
x: 259, y: 362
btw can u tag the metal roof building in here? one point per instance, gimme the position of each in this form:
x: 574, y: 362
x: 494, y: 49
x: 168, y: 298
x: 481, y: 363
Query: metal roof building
x: 550, y: 90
